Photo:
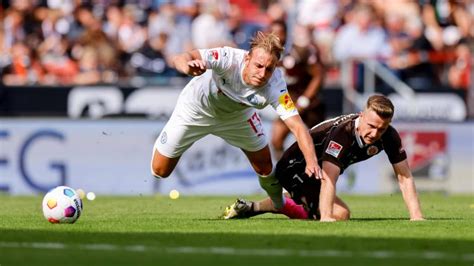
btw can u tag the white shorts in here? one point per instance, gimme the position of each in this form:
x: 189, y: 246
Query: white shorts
x: 245, y: 132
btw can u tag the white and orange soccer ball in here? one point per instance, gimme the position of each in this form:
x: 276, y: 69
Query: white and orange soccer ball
x: 62, y: 205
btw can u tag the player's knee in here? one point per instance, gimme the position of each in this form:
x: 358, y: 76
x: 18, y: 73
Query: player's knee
x: 261, y: 161
x: 264, y: 169
x: 343, y: 215
x: 346, y: 215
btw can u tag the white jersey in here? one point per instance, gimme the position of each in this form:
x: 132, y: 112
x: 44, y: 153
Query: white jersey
x: 221, y: 92
x: 219, y: 102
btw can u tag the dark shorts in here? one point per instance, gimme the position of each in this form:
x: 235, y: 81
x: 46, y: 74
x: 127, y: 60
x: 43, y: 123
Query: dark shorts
x: 303, y: 189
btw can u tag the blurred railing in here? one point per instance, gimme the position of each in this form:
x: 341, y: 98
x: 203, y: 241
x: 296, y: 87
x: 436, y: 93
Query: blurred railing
x: 360, y: 79
x: 372, y: 69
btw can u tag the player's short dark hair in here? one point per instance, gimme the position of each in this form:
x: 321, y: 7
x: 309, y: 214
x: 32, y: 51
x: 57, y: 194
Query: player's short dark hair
x: 268, y: 42
x: 381, y: 105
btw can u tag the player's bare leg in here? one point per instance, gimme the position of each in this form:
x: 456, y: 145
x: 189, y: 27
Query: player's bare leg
x: 261, y: 162
x: 279, y: 133
x: 162, y: 166
x: 246, y: 209
x: 341, y: 211
x: 265, y: 205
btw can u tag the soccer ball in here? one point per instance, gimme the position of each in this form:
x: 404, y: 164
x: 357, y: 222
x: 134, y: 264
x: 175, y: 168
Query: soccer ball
x: 62, y: 205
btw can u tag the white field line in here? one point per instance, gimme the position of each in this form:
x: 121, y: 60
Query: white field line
x: 379, y: 254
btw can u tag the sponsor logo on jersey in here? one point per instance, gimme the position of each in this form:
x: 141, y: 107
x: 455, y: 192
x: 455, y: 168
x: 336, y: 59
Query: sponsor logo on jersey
x: 164, y: 137
x: 286, y: 102
x: 213, y: 55
x: 372, y: 150
x: 401, y: 150
x: 334, y: 148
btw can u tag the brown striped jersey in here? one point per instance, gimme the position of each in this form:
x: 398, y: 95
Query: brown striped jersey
x: 337, y: 141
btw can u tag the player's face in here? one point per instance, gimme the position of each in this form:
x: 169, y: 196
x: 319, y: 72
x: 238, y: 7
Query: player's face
x: 372, y: 126
x: 259, y: 67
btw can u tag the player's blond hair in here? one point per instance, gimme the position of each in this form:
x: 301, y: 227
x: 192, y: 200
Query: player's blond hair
x: 381, y: 105
x: 269, y: 42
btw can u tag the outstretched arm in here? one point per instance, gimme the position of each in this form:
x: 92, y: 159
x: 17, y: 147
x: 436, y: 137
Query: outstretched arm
x: 189, y: 63
x: 407, y: 186
x: 327, y: 195
x: 305, y: 143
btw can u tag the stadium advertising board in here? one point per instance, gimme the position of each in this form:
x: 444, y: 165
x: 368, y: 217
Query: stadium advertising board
x: 430, y: 106
x: 157, y: 102
x: 113, y: 156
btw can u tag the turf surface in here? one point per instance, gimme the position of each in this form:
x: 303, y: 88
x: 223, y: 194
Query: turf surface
x: 187, y: 231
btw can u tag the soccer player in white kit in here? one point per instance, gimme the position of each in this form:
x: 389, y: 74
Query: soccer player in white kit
x: 220, y: 100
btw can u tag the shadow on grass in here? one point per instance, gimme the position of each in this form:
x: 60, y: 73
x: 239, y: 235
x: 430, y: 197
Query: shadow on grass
x: 401, y: 219
x: 272, y: 249
x: 238, y: 240
x: 370, y: 219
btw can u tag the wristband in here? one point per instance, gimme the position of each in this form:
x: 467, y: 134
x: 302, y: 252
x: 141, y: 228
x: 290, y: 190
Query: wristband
x: 302, y: 101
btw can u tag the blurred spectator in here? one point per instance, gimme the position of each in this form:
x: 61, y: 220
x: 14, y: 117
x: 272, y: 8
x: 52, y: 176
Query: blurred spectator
x: 113, y: 20
x: 150, y: 60
x: 253, y: 12
x: 322, y: 17
x: 360, y: 38
x: 459, y: 73
x: 448, y: 28
x: 24, y: 67
x: 447, y: 22
x: 89, y: 72
x: 13, y: 27
x: 209, y: 29
x: 410, y: 55
x: 304, y: 74
x: 60, y: 68
x: 240, y: 31
x: 105, y: 63
x: 276, y: 12
x: 423, y: 42
x: 185, y: 12
x: 131, y: 35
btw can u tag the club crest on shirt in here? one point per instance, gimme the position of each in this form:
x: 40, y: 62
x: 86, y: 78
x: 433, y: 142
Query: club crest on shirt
x: 164, y: 137
x: 286, y: 102
x: 255, y: 99
x: 212, y: 55
x: 334, y: 148
x: 372, y: 150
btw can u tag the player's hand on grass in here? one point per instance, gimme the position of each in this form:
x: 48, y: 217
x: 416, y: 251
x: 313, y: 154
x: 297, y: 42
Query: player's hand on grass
x: 417, y: 219
x: 196, y: 67
x: 327, y: 219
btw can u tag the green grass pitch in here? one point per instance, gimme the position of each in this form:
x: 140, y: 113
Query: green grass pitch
x: 187, y: 231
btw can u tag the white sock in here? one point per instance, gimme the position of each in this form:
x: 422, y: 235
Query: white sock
x: 273, y: 188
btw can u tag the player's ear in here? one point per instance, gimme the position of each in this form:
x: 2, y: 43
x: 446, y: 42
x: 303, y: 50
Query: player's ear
x: 361, y: 115
x: 247, y: 57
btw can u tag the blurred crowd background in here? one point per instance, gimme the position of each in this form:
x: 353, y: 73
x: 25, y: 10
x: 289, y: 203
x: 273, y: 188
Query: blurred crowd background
x: 426, y: 43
